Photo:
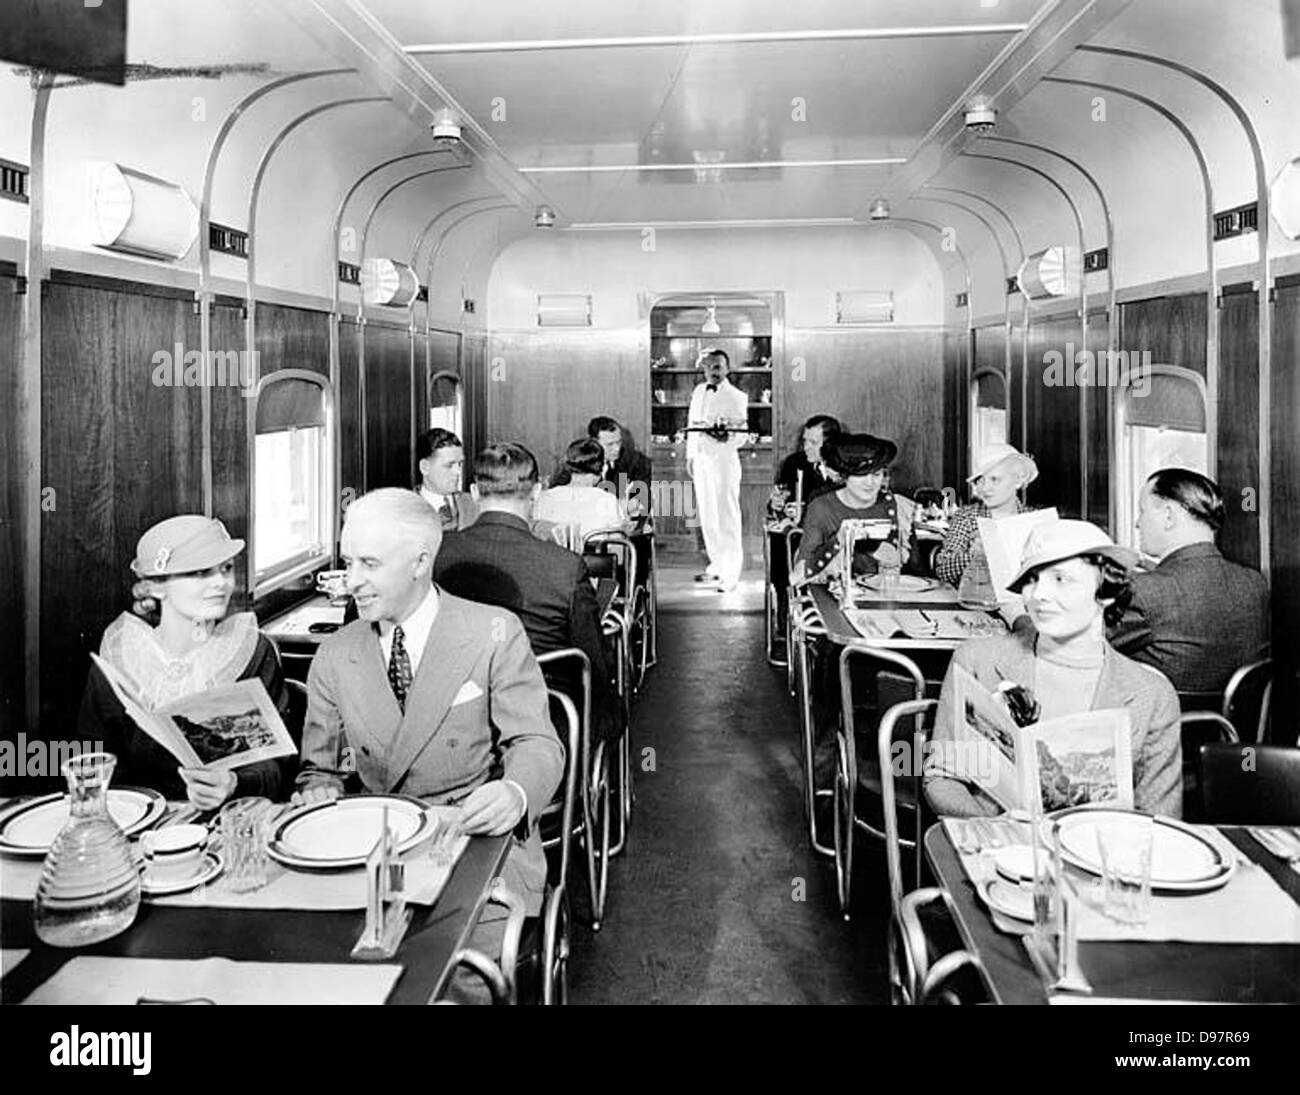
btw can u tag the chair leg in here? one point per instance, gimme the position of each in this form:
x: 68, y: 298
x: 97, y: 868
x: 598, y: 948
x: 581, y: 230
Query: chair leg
x: 844, y: 826
x: 555, y: 949
x: 596, y: 835
x: 625, y: 794
x: 806, y: 729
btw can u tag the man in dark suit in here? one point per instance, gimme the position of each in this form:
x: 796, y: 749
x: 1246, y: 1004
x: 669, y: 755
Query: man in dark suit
x: 499, y: 561
x: 628, y: 469
x: 805, y: 469
x: 1196, y: 617
x: 441, y: 460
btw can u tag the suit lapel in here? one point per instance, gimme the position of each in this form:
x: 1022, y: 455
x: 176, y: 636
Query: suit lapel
x: 444, y: 667
x: 384, y: 717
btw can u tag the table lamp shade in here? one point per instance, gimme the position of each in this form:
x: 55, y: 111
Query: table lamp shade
x: 140, y: 215
x: 388, y: 282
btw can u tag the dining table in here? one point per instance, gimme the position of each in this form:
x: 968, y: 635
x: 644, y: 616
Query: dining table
x: 930, y: 618
x: 167, y: 933
x: 1139, y: 969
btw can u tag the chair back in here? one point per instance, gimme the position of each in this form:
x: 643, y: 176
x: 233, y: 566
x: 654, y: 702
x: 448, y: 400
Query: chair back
x: 910, y: 713
x: 1248, y: 698
x: 573, y: 721
x: 1246, y: 784
x: 620, y: 546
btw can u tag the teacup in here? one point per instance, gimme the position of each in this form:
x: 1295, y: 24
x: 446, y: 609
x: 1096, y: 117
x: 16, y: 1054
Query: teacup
x: 174, y: 854
x: 333, y: 583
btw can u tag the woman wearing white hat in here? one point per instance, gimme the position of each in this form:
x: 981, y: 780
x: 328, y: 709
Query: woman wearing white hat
x: 1001, y: 473
x: 176, y: 642
x: 1072, y: 576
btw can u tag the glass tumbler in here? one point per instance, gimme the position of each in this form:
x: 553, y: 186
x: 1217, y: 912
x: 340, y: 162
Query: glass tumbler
x: 245, y: 832
x: 1126, y: 869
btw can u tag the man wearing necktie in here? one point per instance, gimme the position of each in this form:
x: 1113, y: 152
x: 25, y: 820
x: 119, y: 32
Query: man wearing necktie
x: 437, y: 697
x: 718, y: 417
x: 441, y: 460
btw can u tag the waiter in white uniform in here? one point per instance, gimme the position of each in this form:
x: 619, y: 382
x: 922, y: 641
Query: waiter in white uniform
x: 713, y: 463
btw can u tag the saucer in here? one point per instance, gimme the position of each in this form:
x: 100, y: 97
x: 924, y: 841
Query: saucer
x: 212, y: 866
x: 1015, y: 902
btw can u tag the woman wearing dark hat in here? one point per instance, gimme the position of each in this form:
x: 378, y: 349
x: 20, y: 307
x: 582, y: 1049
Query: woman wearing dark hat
x: 178, y: 641
x: 1072, y: 577
x: 862, y: 461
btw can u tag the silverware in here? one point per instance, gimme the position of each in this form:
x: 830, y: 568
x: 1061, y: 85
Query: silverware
x: 1277, y: 841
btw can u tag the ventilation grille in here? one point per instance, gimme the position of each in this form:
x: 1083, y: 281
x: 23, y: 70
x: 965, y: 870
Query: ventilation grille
x: 1236, y: 222
x: 13, y: 181
x: 864, y: 306
x: 962, y: 300
x: 1013, y: 285
x: 229, y: 241
x: 1096, y: 260
x: 422, y: 293
x: 349, y: 273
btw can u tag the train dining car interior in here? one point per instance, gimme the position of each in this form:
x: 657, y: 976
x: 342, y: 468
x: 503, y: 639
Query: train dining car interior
x: 682, y: 503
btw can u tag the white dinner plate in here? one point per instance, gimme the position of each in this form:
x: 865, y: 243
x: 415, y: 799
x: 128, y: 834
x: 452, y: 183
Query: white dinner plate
x: 907, y: 583
x: 1016, y: 902
x: 212, y: 866
x: 29, y: 828
x: 342, y: 833
x: 1183, y: 858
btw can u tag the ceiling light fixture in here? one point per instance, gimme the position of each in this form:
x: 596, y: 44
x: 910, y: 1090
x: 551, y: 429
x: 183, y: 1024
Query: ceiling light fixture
x: 879, y: 210
x: 445, y: 128
x: 544, y: 217
x: 981, y: 115
x: 710, y: 324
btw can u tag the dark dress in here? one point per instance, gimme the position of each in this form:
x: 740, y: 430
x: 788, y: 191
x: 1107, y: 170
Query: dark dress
x: 821, y: 526
x: 142, y: 762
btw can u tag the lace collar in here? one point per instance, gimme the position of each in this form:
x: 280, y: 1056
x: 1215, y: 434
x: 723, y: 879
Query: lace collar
x: 158, y: 677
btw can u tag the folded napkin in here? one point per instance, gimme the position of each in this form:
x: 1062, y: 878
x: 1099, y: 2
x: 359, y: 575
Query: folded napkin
x: 94, y: 980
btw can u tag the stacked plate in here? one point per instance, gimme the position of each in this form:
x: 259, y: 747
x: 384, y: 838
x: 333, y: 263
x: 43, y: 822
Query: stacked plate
x: 28, y: 828
x: 342, y: 833
x: 1184, y: 859
x: 906, y: 583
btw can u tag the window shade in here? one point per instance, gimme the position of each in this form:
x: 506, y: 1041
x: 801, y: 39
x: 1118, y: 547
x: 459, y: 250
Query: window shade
x: 1173, y: 403
x: 288, y: 404
x: 990, y: 390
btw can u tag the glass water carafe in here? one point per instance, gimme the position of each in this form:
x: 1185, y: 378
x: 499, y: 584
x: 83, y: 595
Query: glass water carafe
x: 89, y: 888
x: 975, y: 590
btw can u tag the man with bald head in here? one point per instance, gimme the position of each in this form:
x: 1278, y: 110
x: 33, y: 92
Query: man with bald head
x: 433, y: 694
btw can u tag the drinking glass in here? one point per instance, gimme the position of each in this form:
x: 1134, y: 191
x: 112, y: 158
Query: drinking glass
x: 890, y: 572
x: 1126, y: 869
x: 245, y: 832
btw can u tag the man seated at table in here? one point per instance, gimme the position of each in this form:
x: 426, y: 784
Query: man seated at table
x: 441, y: 460
x: 433, y: 694
x: 1196, y: 616
x: 805, y: 474
x: 623, y: 465
x: 498, y: 561
x: 580, y: 504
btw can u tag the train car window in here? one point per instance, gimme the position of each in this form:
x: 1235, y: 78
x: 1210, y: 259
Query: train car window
x: 447, y: 403
x: 1160, y: 423
x: 292, y: 511
x: 988, y: 410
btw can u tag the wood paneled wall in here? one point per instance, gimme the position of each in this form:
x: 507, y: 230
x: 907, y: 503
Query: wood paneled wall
x: 388, y: 406
x: 1098, y: 412
x: 120, y: 454
x: 1171, y: 328
x: 874, y: 380
x: 543, y: 388
x: 351, y: 479
x: 292, y: 338
x: 1239, y: 425
x: 12, y: 607
x: 1052, y: 412
x: 1285, y: 509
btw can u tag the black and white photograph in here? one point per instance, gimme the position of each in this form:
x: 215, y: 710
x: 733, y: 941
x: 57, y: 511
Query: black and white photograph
x: 606, y: 436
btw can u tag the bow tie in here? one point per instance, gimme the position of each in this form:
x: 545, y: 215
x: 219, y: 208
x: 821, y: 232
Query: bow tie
x: 711, y: 387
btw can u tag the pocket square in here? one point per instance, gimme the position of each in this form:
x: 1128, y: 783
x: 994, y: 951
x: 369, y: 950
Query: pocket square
x: 468, y: 691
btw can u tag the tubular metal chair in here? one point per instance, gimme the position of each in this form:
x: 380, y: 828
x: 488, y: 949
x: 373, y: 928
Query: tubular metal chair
x: 771, y: 606
x: 1247, y: 784
x: 591, y: 771
x: 632, y: 601
x: 912, y: 977
x: 793, y: 536
x: 847, y: 823
x: 804, y: 628
x: 1247, y: 700
x: 500, y: 978
x: 1192, y: 731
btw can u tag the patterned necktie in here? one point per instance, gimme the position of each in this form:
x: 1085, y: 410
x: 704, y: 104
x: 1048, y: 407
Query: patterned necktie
x: 399, y: 669
x: 447, y: 513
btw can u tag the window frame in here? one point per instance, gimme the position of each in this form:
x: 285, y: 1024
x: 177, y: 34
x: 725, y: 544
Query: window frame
x: 973, y: 406
x: 307, y: 562
x: 1123, y: 489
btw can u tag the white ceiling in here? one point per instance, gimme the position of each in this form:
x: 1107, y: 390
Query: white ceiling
x: 739, y: 102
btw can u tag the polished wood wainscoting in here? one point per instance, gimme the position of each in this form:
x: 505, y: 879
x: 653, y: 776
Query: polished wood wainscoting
x: 12, y: 604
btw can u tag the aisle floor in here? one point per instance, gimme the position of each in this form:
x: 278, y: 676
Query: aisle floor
x: 719, y: 898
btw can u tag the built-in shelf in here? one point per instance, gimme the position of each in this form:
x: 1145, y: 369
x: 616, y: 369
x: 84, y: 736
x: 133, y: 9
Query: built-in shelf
x: 742, y: 369
x: 687, y: 406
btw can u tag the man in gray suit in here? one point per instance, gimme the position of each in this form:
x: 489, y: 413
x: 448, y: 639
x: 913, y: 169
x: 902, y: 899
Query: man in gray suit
x: 1196, y: 617
x: 434, y: 694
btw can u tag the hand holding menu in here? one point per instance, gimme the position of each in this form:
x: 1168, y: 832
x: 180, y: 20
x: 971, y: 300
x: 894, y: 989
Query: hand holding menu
x: 223, y: 728
x: 1070, y: 760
